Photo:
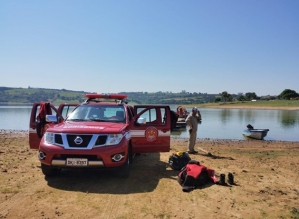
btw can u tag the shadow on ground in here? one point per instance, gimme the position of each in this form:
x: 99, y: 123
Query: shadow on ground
x: 217, y: 157
x: 145, y: 174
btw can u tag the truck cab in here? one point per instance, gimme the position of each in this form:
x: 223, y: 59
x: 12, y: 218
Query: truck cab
x: 103, y: 132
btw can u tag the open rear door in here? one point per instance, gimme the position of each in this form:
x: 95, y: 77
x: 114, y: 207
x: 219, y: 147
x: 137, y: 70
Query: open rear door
x: 37, y: 119
x: 154, y: 134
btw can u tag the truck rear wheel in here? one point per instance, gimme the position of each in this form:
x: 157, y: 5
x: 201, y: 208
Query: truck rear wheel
x: 49, y: 170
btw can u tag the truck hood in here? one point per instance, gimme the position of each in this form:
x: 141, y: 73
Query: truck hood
x: 88, y: 127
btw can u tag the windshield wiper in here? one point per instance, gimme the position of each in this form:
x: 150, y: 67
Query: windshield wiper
x: 76, y: 120
x: 98, y: 120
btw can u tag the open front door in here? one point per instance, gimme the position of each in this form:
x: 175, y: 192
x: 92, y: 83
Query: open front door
x: 154, y: 134
x: 66, y: 108
x: 37, y: 123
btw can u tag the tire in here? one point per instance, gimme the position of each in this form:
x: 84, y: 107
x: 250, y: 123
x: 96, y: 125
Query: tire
x: 49, y: 170
x: 124, y: 170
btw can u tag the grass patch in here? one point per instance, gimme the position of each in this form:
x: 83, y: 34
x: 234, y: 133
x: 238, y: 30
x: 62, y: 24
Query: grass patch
x: 263, y: 213
x: 294, y: 212
x: 9, y: 190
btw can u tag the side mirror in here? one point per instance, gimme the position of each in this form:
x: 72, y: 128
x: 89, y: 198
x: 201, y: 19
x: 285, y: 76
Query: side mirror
x: 141, y: 120
x: 51, y: 118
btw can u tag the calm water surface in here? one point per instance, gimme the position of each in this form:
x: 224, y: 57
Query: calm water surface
x: 216, y: 123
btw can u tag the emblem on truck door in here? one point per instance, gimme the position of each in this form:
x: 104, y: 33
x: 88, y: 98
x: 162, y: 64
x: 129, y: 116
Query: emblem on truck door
x: 78, y: 140
x: 151, y: 133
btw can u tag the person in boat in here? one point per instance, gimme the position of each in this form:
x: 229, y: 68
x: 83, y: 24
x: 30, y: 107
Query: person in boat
x: 191, y: 121
x: 180, y: 111
x: 249, y: 127
x: 185, y: 113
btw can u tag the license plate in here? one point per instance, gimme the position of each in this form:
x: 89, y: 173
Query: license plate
x: 76, y: 162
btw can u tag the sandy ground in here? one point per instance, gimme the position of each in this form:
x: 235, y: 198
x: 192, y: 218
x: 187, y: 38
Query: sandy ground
x: 266, y: 184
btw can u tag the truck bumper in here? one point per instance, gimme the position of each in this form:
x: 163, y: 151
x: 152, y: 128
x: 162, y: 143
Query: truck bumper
x: 96, y: 157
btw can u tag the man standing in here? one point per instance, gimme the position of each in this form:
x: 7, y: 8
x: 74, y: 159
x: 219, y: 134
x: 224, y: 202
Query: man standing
x: 192, y: 121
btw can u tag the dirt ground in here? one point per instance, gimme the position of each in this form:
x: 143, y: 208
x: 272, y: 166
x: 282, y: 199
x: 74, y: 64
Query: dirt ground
x: 265, y: 172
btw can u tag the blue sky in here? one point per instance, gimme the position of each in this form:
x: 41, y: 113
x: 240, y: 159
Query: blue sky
x: 155, y: 45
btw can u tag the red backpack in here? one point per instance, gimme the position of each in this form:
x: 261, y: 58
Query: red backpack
x: 195, y: 175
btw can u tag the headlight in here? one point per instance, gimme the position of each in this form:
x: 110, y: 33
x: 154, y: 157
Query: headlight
x: 49, y: 137
x: 114, y: 139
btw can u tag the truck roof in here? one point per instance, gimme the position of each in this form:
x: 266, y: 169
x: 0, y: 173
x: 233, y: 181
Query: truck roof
x: 117, y: 98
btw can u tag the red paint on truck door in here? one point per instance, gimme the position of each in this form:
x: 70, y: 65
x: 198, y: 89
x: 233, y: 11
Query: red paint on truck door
x: 154, y: 134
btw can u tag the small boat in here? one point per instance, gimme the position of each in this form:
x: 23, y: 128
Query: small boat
x: 181, y: 123
x: 251, y: 132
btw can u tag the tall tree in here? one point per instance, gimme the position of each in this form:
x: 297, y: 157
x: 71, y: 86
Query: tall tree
x: 250, y: 95
x: 288, y: 94
x: 225, y: 95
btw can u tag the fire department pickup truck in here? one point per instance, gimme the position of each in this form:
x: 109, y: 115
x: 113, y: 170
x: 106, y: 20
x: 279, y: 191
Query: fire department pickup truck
x: 103, y: 132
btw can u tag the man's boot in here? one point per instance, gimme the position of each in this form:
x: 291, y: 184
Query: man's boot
x: 230, y: 178
x: 222, y: 179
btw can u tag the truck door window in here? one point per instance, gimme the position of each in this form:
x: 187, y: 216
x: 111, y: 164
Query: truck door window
x: 38, y: 108
x: 163, y: 113
x: 130, y: 113
x: 153, y: 116
x: 67, y: 110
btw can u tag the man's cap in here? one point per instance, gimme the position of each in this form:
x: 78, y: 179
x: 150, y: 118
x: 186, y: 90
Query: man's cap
x: 194, y: 109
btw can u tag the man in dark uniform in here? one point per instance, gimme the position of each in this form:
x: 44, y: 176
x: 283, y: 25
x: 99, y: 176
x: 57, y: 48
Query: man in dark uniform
x: 192, y: 121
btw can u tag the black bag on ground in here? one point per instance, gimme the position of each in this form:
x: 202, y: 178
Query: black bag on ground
x: 178, y: 160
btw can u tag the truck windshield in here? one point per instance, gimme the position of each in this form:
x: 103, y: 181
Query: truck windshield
x: 98, y: 114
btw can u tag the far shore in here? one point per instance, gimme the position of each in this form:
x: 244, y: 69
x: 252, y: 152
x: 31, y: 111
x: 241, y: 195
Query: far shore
x: 249, y: 107
x: 257, y: 105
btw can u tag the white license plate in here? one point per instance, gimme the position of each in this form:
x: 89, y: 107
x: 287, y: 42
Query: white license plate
x: 76, y: 162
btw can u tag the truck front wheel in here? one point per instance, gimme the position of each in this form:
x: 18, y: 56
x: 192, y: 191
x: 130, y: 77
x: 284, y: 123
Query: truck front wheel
x: 49, y: 170
x: 124, y: 170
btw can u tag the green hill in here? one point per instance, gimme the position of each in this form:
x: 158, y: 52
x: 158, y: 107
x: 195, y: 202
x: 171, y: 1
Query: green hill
x: 9, y: 95
x: 27, y: 96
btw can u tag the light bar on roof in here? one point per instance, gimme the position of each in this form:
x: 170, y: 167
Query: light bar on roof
x: 107, y: 96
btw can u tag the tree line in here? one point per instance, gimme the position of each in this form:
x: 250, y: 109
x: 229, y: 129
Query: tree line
x: 30, y: 95
x: 286, y: 94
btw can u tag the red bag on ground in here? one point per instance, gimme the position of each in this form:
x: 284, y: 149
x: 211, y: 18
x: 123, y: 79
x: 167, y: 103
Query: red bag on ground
x: 195, y: 175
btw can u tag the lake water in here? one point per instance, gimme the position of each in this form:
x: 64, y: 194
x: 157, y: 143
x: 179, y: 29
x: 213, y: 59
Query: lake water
x: 216, y: 123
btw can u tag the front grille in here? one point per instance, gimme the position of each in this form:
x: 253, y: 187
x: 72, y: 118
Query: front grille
x: 85, y: 142
x: 58, y: 139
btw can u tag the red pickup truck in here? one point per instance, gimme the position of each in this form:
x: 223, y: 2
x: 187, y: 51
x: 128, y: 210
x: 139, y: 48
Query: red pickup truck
x: 103, y: 132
